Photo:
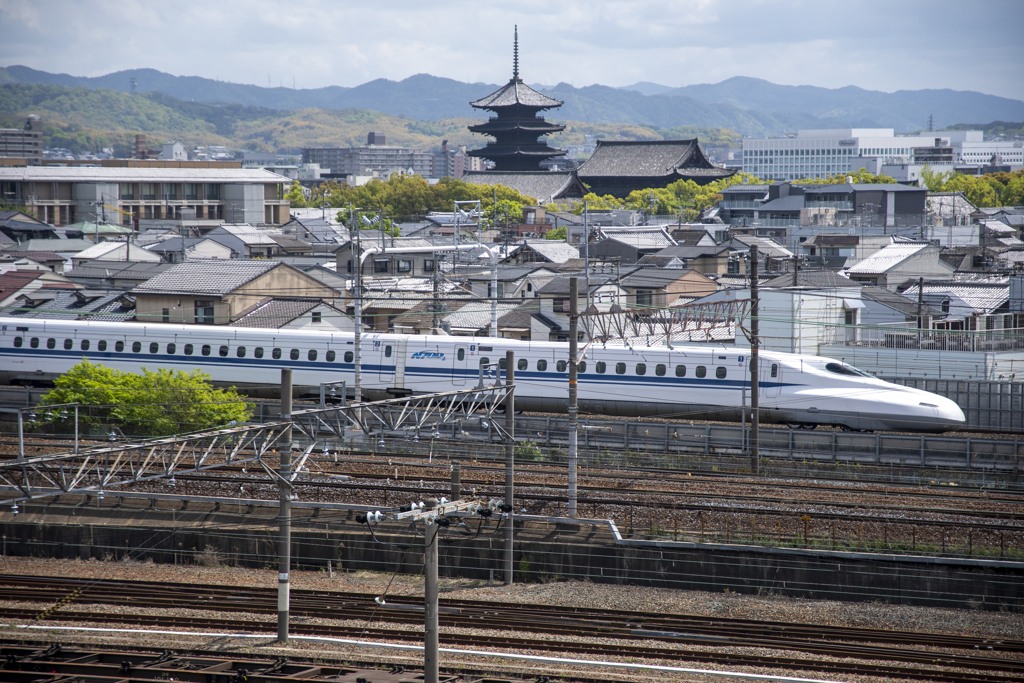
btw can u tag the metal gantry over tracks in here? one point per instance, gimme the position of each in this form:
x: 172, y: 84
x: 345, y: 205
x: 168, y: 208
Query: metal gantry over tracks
x: 119, y: 464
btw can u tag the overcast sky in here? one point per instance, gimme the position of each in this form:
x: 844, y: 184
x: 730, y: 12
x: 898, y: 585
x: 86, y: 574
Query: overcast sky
x: 882, y: 45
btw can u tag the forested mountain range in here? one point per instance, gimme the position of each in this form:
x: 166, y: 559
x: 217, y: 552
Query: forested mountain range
x: 422, y: 109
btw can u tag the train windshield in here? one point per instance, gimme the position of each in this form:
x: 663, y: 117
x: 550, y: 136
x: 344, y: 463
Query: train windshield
x: 844, y: 369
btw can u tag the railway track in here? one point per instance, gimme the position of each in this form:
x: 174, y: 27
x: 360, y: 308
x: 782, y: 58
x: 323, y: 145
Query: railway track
x: 669, y: 639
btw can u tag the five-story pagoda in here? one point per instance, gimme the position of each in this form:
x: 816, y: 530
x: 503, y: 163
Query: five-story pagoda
x: 516, y: 128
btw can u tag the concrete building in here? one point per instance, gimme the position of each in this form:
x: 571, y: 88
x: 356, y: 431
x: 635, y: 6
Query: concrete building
x: 376, y: 157
x: 60, y: 195
x: 828, y: 152
x: 24, y: 143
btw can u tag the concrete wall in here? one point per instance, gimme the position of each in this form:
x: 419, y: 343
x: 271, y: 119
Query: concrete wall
x: 245, y: 535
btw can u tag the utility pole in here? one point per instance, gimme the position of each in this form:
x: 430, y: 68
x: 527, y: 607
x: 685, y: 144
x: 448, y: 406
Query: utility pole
x: 573, y: 410
x: 357, y: 304
x: 510, y: 462
x: 284, y: 537
x: 755, y: 342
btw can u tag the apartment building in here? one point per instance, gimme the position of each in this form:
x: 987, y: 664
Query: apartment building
x: 61, y: 195
x: 828, y: 152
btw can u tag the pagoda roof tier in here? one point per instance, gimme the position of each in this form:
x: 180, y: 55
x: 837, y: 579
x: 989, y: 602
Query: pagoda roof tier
x: 515, y: 93
x: 494, y: 152
x: 535, y: 126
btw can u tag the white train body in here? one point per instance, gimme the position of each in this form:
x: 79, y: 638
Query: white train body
x: 686, y: 382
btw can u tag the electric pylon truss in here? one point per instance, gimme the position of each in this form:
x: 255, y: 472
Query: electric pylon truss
x: 94, y: 469
x: 408, y: 416
x: 118, y: 464
x: 698, y: 322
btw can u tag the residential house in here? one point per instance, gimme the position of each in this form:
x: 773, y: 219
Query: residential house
x: 538, y: 251
x: 713, y: 259
x: 629, y: 245
x: 215, y: 292
x: 899, y: 261
x: 597, y: 293
x: 74, y: 304
x: 30, y: 282
x: 656, y: 288
x: 245, y: 241
x: 179, y: 249
x: 514, y: 282
x: 284, y: 313
x: 103, y: 253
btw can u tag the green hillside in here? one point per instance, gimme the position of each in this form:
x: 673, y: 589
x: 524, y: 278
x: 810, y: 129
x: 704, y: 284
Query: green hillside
x: 87, y: 120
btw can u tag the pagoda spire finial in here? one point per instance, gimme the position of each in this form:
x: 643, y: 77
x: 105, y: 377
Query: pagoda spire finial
x: 515, y: 54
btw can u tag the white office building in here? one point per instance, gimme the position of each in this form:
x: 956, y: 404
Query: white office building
x: 828, y: 152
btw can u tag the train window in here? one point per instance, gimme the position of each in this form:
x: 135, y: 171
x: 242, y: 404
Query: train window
x: 330, y: 356
x: 102, y: 345
x: 460, y: 354
x: 136, y: 347
x: 641, y: 368
x: 276, y: 353
x: 720, y: 372
x: 349, y: 356
x: 522, y: 364
x: 294, y: 354
x: 841, y: 369
x: 119, y: 346
x: 189, y: 349
x: 51, y: 343
x: 387, y: 352
x: 680, y: 371
x: 581, y: 366
x: 702, y: 371
x: 601, y: 367
x: 562, y: 366
x: 154, y: 347
x: 85, y: 345
x: 223, y: 350
x: 501, y: 363
x: 172, y: 348
x: 240, y: 352
x: 620, y: 368
x: 205, y: 350
x: 34, y: 342
x: 18, y: 342
x: 660, y: 369
x: 542, y: 365
x: 68, y: 343
x: 311, y: 354
x: 258, y: 352
x: 485, y: 361
x: 775, y: 369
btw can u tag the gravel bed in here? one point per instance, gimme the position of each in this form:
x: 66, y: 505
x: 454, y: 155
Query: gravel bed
x: 727, y: 605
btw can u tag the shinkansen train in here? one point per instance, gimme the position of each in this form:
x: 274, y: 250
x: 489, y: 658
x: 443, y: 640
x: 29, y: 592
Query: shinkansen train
x: 691, y: 381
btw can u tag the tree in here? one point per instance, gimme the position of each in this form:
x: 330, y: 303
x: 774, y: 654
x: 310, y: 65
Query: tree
x: 977, y: 190
x: 151, y: 404
x: 558, y: 233
x: 295, y: 195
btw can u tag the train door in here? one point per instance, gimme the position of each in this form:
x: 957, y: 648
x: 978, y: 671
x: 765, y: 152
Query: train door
x: 770, y: 377
x: 460, y: 364
x: 385, y: 354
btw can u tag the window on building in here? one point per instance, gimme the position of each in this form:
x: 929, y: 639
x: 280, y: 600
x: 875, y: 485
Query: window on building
x: 380, y: 265
x: 316, y: 317
x: 204, y: 312
x: 404, y: 265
